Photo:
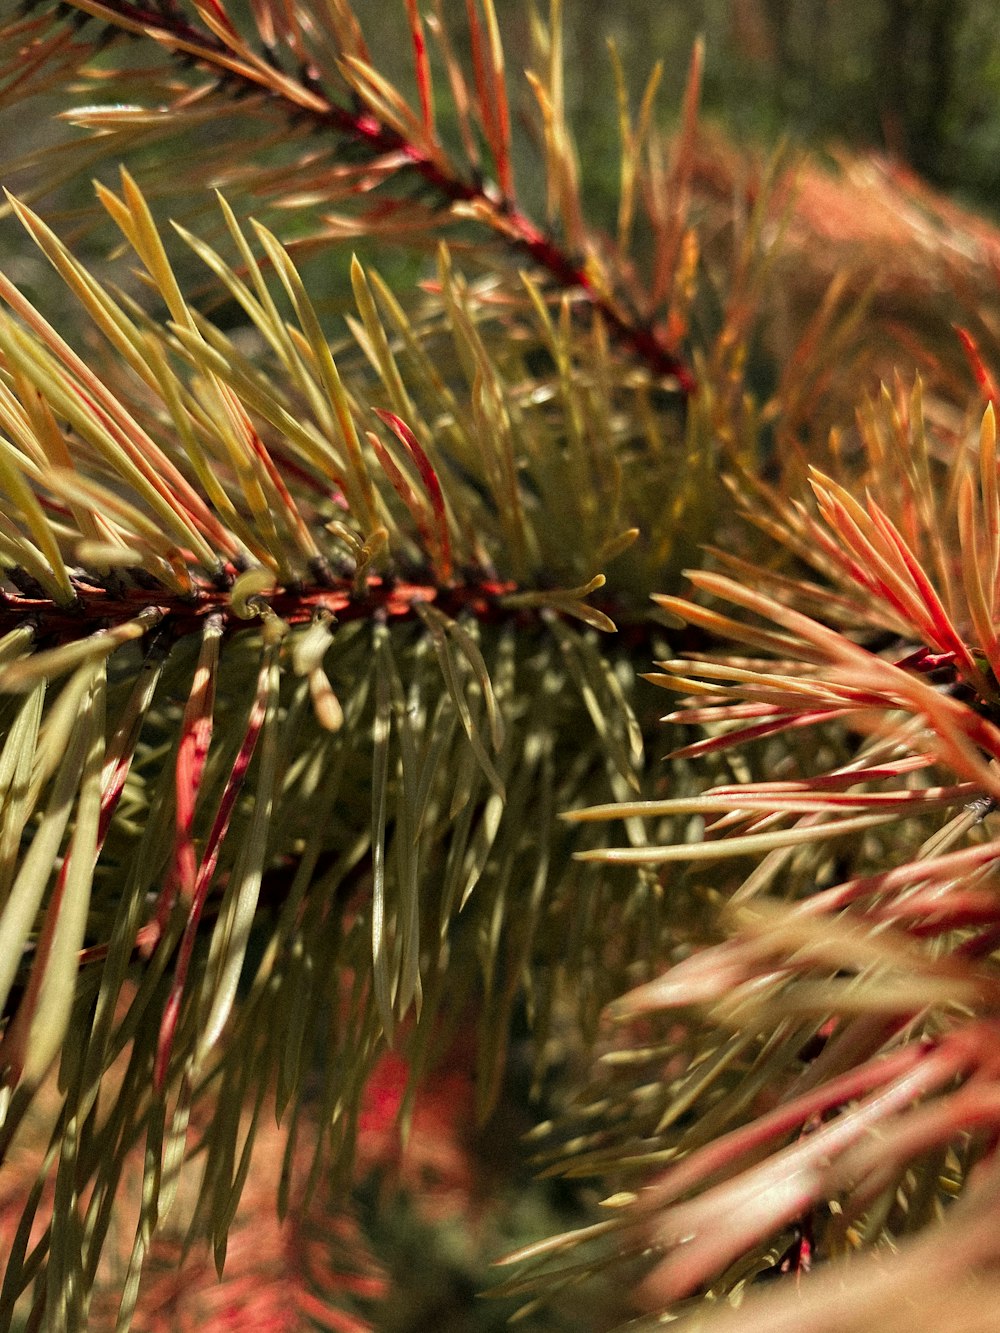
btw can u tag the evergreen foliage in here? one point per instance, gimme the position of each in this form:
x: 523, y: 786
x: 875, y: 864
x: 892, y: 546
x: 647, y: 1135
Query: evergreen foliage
x: 322, y: 626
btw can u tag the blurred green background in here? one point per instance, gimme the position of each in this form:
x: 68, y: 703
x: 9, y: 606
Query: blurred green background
x: 919, y: 78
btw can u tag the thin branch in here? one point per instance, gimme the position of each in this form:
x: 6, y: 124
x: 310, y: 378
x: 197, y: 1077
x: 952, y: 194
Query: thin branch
x: 305, y: 100
x: 97, y: 610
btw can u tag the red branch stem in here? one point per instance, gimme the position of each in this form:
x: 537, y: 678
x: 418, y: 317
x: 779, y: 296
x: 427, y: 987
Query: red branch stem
x: 98, y: 610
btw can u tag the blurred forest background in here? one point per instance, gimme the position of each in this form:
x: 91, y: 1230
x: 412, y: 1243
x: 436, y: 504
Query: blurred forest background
x: 919, y: 79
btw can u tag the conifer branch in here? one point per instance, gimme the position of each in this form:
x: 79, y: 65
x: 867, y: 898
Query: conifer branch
x: 316, y: 737
x: 244, y: 71
x: 870, y: 999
